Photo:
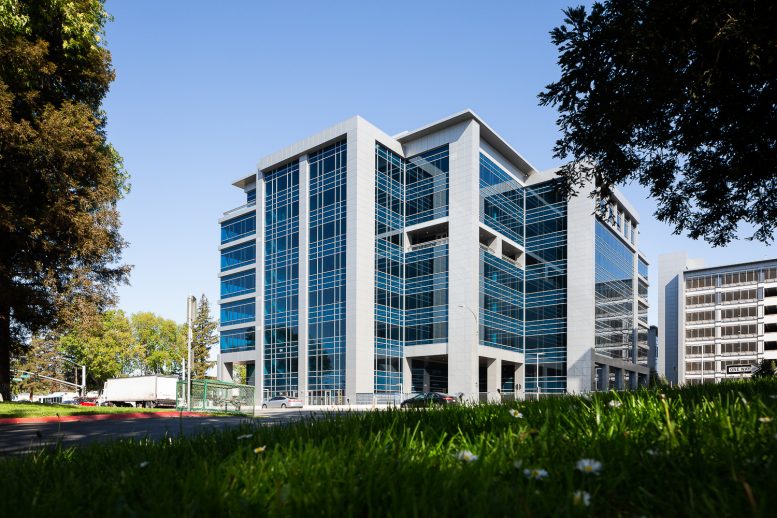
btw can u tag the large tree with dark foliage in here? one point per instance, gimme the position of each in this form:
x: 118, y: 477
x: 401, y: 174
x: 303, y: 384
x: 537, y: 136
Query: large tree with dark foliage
x: 59, y: 177
x: 203, y: 338
x: 680, y: 96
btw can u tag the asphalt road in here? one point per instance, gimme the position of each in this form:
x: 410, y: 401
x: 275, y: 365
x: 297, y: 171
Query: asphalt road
x: 21, y: 438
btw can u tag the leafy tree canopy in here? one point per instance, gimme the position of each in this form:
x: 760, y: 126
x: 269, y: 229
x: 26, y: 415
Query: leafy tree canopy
x: 59, y: 177
x: 159, y: 344
x: 43, y: 357
x: 680, y: 96
x: 104, y: 347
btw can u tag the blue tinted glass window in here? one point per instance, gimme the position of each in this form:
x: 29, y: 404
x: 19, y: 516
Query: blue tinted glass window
x: 501, y: 310
x: 238, y: 340
x: 236, y: 228
x: 238, y: 284
x: 545, y: 289
x: 238, y: 312
x: 642, y: 268
x: 326, y: 279
x: 501, y: 198
x: 614, y: 302
x: 426, y: 186
x: 237, y: 256
x: 281, y: 281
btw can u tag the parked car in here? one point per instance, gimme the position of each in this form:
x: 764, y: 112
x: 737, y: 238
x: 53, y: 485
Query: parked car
x: 427, y: 399
x: 282, y: 402
x: 86, y: 401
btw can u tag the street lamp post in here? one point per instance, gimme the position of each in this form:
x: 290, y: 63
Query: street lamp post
x: 191, y: 308
x: 537, y: 370
x: 83, y: 375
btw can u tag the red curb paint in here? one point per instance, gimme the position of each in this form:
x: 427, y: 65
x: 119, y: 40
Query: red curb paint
x: 96, y: 417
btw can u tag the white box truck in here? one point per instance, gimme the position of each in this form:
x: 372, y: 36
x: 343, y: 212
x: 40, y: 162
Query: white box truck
x: 140, y: 391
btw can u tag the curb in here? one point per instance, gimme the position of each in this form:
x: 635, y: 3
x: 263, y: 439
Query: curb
x: 97, y: 417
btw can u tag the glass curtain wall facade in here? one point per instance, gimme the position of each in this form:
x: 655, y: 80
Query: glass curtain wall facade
x: 238, y: 284
x: 411, y: 282
x: 614, y: 300
x: 546, y: 289
x: 281, y: 281
x: 326, y: 279
x: 501, y: 200
x: 501, y: 280
x: 389, y: 269
x: 426, y: 263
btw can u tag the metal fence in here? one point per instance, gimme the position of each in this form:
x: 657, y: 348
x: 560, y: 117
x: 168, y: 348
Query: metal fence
x: 216, y: 395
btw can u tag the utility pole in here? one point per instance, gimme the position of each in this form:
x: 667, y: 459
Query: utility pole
x: 191, y: 309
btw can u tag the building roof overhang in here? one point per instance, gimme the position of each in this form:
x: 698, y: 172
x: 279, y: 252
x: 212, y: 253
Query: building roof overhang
x: 486, y: 133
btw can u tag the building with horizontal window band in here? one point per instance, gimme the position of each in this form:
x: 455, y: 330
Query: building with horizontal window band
x: 716, y: 323
x: 364, y: 266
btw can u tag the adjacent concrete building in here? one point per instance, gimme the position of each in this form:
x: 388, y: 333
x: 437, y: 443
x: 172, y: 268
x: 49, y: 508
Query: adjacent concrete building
x: 717, y: 322
x: 363, y: 266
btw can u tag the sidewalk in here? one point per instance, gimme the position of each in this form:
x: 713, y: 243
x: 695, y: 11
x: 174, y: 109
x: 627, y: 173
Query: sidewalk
x: 97, y: 417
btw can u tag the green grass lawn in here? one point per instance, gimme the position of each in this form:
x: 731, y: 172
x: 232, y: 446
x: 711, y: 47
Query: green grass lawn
x: 9, y: 409
x: 702, y: 451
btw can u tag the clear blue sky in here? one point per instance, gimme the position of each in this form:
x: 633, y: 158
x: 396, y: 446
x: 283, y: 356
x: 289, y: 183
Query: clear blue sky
x: 203, y: 90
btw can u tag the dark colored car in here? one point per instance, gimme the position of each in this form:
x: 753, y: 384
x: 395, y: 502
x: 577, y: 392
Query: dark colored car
x: 427, y: 399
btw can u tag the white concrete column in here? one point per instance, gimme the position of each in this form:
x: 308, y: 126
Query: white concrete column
x: 259, y: 295
x: 463, y: 261
x: 302, y: 298
x: 581, y: 265
x: 494, y: 379
x: 407, y: 385
x: 360, y: 261
x: 520, y: 381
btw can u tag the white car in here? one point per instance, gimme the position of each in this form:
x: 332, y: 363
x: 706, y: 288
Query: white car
x: 282, y: 402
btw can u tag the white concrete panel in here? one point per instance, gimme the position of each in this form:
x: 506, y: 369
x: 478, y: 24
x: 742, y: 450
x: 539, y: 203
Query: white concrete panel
x: 464, y: 260
x: 304, y: 266
x: 581, y: 271
x: 360, y: 259
x: 670, y: 303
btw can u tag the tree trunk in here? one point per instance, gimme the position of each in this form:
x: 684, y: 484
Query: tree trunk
x: 5, y: 351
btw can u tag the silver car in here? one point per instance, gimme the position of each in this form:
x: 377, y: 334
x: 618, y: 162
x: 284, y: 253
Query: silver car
x: 282, y: 402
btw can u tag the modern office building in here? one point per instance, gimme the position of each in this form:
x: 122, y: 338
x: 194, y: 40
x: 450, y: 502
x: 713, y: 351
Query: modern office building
x: 718, y: 322
x: 363, y: 266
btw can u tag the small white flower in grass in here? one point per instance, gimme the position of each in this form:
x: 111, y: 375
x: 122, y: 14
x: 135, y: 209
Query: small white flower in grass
x: 466, y: 456
x: 259, y: 449
x: 515, y: 413
x: 581, y: 498
x: 518, y: 464
x: 614, y: 403
x: 589, y: 466
x: 246, y: 436
x: 652, y: 452
x: 765, y: 420
x: 535, y: 473
x: 144, y: 464
x: 773, y: 396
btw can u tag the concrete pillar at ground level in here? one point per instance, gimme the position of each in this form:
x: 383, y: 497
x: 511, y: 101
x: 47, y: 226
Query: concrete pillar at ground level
x: 604, y: 379
x: 633, y: 380
x: 619, y: 379
x: 227, y: 372
x: 494, y: 379
x: 407, y: 386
